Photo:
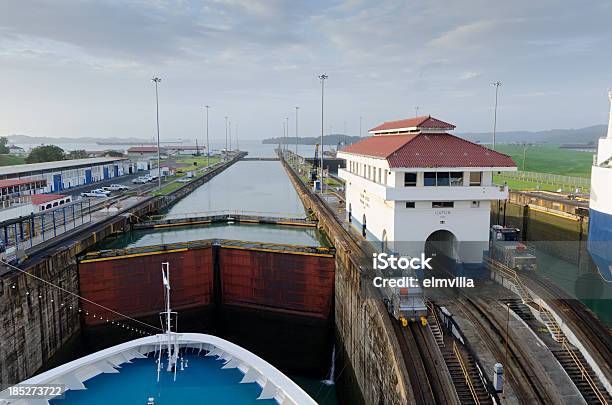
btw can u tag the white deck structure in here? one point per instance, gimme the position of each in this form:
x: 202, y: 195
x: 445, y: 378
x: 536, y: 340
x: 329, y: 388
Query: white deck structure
x: 275, y: 385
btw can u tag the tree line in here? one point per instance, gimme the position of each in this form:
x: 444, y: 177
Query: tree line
x: 52, y: 153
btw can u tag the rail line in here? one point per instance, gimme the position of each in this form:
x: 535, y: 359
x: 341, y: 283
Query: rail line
x: 425, y: 388
x: 528, y: 385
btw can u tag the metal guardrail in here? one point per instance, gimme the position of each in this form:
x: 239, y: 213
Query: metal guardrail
x: 547, y: 178
x: 466, y: 374
x: 205, y: 243
x: 187, y: 215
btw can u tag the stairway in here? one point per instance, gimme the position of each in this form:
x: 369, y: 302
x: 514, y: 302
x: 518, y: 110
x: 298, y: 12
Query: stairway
x: 566, y: 359
x: 458, y: 377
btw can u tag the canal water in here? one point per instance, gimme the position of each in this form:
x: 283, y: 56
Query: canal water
x: 260, y: 187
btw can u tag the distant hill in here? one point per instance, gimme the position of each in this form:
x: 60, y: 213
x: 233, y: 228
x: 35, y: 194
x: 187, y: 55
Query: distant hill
x: 332, y: 139
x: 588, y: 135
x: 28, y: 139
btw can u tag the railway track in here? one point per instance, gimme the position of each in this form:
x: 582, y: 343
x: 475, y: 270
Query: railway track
x: 529, y: 382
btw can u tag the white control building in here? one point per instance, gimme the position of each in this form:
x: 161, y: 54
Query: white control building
x: 413, y: 182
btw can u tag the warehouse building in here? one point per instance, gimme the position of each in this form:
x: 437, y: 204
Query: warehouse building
x: 66, y: 174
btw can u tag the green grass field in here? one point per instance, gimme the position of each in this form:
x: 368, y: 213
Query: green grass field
x: 201, y: 160
x: 8, y: 160
x: 550, y: 159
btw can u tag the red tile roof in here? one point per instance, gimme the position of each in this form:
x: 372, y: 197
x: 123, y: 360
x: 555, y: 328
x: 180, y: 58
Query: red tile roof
x: 44, y: 198
x: 429, y: 150
x: 19, y: 182
x: 426, y: 121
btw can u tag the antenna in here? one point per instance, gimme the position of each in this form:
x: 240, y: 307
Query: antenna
x: 168, y: 318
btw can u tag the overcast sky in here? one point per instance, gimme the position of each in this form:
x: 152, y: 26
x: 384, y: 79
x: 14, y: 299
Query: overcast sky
x: 84, y: 68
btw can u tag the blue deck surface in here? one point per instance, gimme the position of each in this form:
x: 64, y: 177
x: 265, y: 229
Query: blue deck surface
x: 202, y: 382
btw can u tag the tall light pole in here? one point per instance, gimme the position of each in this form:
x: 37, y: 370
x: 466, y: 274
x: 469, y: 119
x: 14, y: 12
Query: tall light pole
x: 360, y: 124
x: 229, y: 131
x: 497, y: 85
x: 322, y: 77
x: 236, y: 137
x: 156, y: 80
x: 287, y: 134
x: 207, y: 107
x: 226, y: 137
x: 296, y: 134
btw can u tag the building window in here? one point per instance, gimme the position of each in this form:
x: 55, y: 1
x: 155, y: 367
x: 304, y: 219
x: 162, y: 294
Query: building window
x: 379, y: 176
x: 429, y: 179
x: 456, y: 179
x: 385, y: 178
x: 475, y: 204
x: 442, y: 204
x: 443, y: 179
x: 475, y: 178
x: 410, y: 204
x: 410, y: 179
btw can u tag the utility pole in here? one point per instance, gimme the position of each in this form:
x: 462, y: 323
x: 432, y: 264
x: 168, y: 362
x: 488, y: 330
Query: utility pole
x: 296, y: 134
x: 226, y: 138
x: 236, y: 136
x: 229, y: 131
x: 207, y: 142
x: 287, y: 134
x: 156, y: 80
x: 497, y: 85
x: 322, y: 77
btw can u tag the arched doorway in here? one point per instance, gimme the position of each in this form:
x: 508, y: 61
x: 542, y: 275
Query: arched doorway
x: 363, y: 226
x: 442, y: 246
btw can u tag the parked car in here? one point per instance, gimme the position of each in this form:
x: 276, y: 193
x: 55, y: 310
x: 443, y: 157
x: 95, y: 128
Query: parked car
x: 116, y: 187
x: 184, y: 180
x: 101, y: 191
x: 93, y: 193
x: 140, y: 180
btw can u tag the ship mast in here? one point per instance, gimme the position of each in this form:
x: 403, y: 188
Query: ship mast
x: 166, y: 321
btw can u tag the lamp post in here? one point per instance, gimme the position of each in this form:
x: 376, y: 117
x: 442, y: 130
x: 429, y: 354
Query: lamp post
x: 322, y: 77
x: 360, y: 125
x: 497, y: 85
x: 225, y: 137
x: 207, y: 107
x: 156, y: 80
x: 287, y: 134
x: 236, y: 137
x: 296, y: 134
x: 229, y: 131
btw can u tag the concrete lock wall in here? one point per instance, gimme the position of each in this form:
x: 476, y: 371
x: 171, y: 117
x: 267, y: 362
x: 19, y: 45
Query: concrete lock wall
x: 33, y: 329
x: 364, y: 329
x: 132, y: 284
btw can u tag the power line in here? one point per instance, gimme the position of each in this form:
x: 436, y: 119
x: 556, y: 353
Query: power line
x: 78, y: 296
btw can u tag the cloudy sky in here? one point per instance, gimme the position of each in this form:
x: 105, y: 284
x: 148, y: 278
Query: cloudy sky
x: 83, y: 68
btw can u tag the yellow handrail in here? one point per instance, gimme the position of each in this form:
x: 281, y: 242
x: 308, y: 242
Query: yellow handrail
x: 466, y: 375
x: 585, y: 374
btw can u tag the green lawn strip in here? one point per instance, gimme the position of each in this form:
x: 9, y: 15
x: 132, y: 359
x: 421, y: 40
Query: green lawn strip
x: 9, y: 160
x: 526, y: 185
x: 550, y: 159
